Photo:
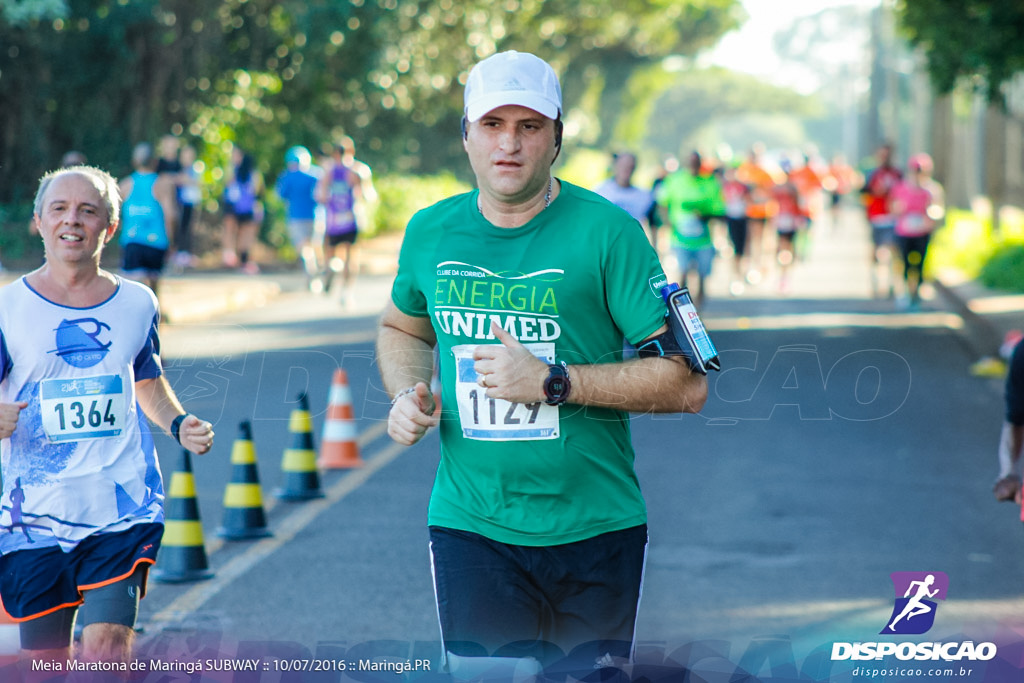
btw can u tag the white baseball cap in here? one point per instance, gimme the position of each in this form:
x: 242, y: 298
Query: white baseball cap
x: 512, y: 78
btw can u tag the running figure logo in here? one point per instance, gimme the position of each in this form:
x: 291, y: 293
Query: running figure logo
x: 914, y: 612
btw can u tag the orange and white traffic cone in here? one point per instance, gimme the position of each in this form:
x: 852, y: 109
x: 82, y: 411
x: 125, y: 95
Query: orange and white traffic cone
x: 339, y: 448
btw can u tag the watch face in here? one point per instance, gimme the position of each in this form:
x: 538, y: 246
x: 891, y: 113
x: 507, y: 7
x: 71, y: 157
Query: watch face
x: 556, y: 386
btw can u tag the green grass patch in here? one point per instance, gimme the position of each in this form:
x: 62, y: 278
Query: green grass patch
x: 1005, y: 270
x: 968, y: 245
x: 401, y: 196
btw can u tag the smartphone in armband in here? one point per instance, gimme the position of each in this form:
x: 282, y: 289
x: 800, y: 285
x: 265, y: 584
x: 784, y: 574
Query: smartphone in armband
x: 688, y: 327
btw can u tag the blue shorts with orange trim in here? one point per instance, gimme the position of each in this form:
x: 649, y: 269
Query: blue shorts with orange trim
x: 34, y: 583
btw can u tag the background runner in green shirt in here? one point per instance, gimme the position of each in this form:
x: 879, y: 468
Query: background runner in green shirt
x: 691, y: 197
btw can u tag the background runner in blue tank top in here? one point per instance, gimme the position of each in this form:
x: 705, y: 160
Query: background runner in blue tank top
x: 147, y: 218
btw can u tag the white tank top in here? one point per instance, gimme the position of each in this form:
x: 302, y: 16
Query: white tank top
x: 81, y: 460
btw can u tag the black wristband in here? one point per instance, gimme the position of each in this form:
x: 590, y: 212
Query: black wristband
x: 176, y: 427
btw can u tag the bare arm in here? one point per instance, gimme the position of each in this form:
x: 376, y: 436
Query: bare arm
x: 161, y: 406
x: 356, y: 181
x: 1011, y: 443
x: 366, y: 187
x: 1016, y: 441
x: 124, y: 186
x: 646, y: 385
x: 661, y: 385
x: 322, y: 192
x: 405, y: 357
x: 164, y: 191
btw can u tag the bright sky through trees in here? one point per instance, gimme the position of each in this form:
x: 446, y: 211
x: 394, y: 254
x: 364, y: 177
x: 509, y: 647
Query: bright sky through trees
x: 750, y: 49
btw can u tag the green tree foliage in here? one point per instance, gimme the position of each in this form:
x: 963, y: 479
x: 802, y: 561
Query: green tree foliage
x: 967, y: 41
x: 100, y: 75
x: 17, y: 12
x: 698, y: 98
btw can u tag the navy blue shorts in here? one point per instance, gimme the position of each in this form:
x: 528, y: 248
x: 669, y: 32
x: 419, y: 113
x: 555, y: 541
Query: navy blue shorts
x: 334, y: 240
x: 34, y: 583
x: 501, y: 600
x: 143, y: 258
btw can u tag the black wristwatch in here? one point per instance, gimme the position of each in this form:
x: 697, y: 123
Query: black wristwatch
x: 557, y: 384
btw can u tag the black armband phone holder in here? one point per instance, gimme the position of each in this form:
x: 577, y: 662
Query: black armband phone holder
x: 686, y: 335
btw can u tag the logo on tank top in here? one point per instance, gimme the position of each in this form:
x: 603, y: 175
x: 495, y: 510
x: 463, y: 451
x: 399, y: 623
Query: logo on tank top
x: 79, y: 343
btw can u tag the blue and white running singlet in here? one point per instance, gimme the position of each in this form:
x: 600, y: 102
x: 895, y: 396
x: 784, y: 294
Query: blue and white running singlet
x: 81, y: 459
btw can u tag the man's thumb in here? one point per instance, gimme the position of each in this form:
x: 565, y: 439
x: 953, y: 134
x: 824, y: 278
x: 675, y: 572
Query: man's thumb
x: 503, y: 335
x: 425, y: 396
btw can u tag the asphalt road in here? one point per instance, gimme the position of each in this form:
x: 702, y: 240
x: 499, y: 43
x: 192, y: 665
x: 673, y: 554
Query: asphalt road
x: 843, y: 441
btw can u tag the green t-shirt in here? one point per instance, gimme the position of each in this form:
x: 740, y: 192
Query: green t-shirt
x: 690, y: 200
x: 570, y: 284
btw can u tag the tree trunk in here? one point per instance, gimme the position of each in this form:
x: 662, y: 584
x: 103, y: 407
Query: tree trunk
x: 995, y: 161
x: 942, y: 139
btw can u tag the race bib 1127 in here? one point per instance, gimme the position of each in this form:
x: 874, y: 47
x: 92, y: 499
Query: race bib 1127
x: 495, y: 419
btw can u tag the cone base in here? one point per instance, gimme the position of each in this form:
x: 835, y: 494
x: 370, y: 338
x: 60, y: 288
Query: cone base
x: 340, y: 464
x: 242, y: 534
x: 298, y: 495
x: 303, y: 485
x: 165, y: 576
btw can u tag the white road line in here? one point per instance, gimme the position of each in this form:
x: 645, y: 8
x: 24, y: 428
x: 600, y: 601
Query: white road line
x: 815, y: 320
x: 212, y: 542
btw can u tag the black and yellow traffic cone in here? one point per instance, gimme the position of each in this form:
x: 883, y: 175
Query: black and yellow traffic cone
x: 244, y: 516
x: 182, y: 555
x: 301, y: 478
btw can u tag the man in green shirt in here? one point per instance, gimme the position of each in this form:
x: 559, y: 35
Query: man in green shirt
x: 528, y: 287
x: 691, y: 197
